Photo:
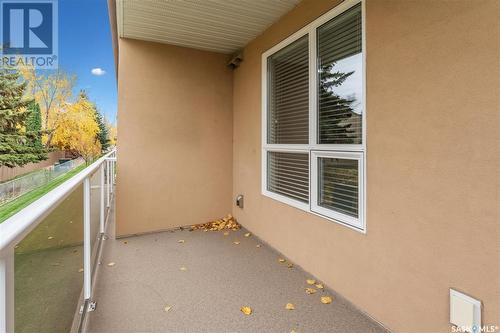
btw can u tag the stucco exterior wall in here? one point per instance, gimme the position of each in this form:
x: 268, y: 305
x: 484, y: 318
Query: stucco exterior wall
x: 175, y: 137
x: 433, y: 161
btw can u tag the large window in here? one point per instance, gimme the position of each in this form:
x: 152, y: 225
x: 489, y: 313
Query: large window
x: 313, y: 117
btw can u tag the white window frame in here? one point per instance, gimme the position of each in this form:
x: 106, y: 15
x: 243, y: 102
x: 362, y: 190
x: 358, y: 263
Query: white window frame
x: 313, y: 149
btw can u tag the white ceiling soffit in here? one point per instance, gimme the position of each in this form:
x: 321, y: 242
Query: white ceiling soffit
x: 223, y: 26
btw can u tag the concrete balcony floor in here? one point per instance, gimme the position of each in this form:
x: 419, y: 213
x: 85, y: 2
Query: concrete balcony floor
x: 219, y: 279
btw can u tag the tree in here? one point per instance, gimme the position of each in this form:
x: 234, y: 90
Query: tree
x: 34, y: 125
x: 334, y: 110
x: 78, y: 129
x: 103, y: 131
x: 52, y: 92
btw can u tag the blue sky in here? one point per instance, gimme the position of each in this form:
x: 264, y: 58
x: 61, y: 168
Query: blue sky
x: 85, y: 44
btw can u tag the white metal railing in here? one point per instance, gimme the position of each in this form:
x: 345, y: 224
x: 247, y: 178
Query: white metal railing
x: 22, y: 223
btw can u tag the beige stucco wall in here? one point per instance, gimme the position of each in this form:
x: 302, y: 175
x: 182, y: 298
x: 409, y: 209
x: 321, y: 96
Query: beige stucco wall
x: 433, y: 162
x: 175, y: 138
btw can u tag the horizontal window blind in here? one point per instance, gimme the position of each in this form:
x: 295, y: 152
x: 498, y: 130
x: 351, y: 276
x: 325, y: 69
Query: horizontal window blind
x: 338, y: 185
x: 288, y: 91
x: 340, y: 91
x: 288, y: 174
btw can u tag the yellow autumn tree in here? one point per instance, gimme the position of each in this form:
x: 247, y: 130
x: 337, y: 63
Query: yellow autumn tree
x: 113, y: 133
x: 52, y: 92
x: 77, y: 129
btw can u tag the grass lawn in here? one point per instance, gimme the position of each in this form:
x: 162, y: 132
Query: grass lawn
x: 24, y: 200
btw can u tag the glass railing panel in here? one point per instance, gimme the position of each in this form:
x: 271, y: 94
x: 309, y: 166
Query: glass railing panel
x: 48, y: 274
x: 95, y: 201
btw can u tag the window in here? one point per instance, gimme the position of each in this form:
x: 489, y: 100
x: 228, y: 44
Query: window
x: 313, y: 117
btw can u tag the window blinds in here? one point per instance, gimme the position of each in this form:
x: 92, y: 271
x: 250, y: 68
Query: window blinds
x: 288, y: 91
x: 288, y: 174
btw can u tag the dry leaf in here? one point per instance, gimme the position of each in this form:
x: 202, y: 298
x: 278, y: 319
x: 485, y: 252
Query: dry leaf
x: 125, y: 242
x: 50, y: 237
x: 226, y: 233
x: 247, y: 234
x: 167, y: 308
x: 181, y: 241
x: 319, y: 286
x: 289, y: 306
x: 281, y: 260
x: 246, y: 310
x: 228, y: 222
x: 111, y: 264
x: 310, y: 291
x: 258, y: 245
x: 293, y: 331
x: 80, y: 270
x: 310, y: 281
x: 183, y: 269
x: 326, y: 299
x: 236, y: 242
x: 289, y: 265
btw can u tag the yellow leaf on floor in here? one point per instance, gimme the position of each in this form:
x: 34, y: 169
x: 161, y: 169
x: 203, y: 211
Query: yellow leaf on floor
x: 183, y: 268
x: 226, y: 233
x: 111, y: 264
x: 80, y: 270
x: 258, y: 245
x: 310, y: 291
x: 310, y: 281
x: 319, y: 286
x: 247, y: 234
x: 290, y: 265
x: 167, y: 308
x: 50, y: 237
x: 293, y: 331
x: 289, y: 306
x: 281, y: 260
x: 236, y: 242
x: 326, y: 299
x: 181, y: 241
x: 246, y: 310
x: 125, y: 242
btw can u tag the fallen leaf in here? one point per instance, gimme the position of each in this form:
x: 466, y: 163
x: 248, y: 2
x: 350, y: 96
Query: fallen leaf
x: 55, y: 264
x: 111, y: 264
x: 281, y: 260
x: 80, y: 270
x: 289, y: 265
x: 236, y: 242
x: 319, y: 286
x: 226, y: 233
x: 125, y: 242
x: 181, y: 241
x: 167, y: 308
x: 183, y: 268
x: 247, y: 234
x: 50, y: 237
x: 310, y: 281
x: 289, y: 306
x: 258, y: 245
x: 246, y: 310
x: 310, y: 291
x: 326, y: 299
x: 293, y: 331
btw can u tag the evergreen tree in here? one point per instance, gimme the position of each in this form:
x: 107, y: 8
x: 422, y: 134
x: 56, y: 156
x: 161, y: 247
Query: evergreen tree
x: 334, y: 111
x: 34, y: 129
x: 103, y: 134
x: 16, y: 145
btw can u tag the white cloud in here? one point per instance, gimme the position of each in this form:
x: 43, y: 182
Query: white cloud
x: 98, y: 71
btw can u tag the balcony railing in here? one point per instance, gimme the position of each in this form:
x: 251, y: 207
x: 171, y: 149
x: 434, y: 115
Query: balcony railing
x: 46, y: 248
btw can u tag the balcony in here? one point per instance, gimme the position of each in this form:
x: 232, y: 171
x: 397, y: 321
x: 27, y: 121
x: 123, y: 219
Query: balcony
x: 63, y: 270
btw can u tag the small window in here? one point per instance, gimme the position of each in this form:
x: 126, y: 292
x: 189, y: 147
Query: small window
x: 313, y: 117
x: 336, y: 186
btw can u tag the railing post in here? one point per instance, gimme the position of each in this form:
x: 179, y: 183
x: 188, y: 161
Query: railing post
x: 7, y: 291
x: 86, y: 239
x: 101, y: 201
x: 108, y: 175
x: 112, y: 174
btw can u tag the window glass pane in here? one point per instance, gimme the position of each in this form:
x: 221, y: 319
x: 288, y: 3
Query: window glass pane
x: 340, y: 79
x: 288, y: 94
x: 288, y: 174
x: 338, y: 185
